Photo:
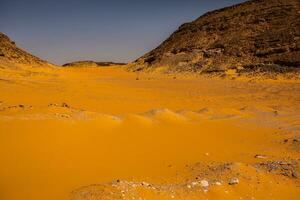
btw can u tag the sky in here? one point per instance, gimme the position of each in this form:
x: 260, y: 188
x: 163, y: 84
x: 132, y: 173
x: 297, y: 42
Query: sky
x: 62, y: 31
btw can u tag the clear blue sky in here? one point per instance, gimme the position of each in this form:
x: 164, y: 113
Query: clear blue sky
x: 62, y: 31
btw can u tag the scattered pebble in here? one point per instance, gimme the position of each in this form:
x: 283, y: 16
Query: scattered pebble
x: 218, y: 183
x: 194, y: 184
x: 62, y: 115
x: 52, y: 104
x: 233, y: 181
x: 65, y: 105
x: 260, y: 156
x: 295, y: 174
x: 146, y: 184
x: 204, y: 183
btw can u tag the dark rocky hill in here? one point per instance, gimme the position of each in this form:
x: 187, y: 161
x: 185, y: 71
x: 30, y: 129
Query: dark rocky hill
x: 10, y: 52
x: 258, y: 35
x: 91, y: 64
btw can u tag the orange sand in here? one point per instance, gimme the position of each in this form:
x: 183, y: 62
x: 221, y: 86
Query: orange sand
x: 61, y: 129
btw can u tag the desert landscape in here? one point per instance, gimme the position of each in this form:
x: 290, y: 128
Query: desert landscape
x: 212, y: 113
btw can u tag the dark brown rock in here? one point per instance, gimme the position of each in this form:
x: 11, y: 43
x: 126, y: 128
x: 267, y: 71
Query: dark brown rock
x: 10, y: 52
x: 258, y: 35
x: 91, y: 64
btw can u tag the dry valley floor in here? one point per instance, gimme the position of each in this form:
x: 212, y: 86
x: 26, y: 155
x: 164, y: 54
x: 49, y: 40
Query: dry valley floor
x: 104, y: 133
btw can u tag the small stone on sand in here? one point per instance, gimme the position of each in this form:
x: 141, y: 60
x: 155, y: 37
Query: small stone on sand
x: 204, y: 183
x: 233, y: 181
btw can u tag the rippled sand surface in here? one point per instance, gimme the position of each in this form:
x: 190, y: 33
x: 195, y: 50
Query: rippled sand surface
x: 104, y: 133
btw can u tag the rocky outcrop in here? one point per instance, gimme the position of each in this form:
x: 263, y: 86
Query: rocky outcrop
x: 259, y: 35
x: 10, y: 52
x: 91, y: 64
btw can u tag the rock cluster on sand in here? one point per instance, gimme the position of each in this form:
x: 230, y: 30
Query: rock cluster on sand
x: 254, y: 36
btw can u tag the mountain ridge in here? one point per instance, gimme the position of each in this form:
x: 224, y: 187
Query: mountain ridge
x: 258, y: 35
x: 90, y: 63
x: 10, y: 52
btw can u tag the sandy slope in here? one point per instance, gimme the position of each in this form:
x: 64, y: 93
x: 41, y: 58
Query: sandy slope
x: 146, y: 136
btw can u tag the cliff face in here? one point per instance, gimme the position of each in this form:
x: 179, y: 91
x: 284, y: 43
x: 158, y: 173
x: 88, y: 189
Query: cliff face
x: 10, y: 52
x: 259, y: 35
